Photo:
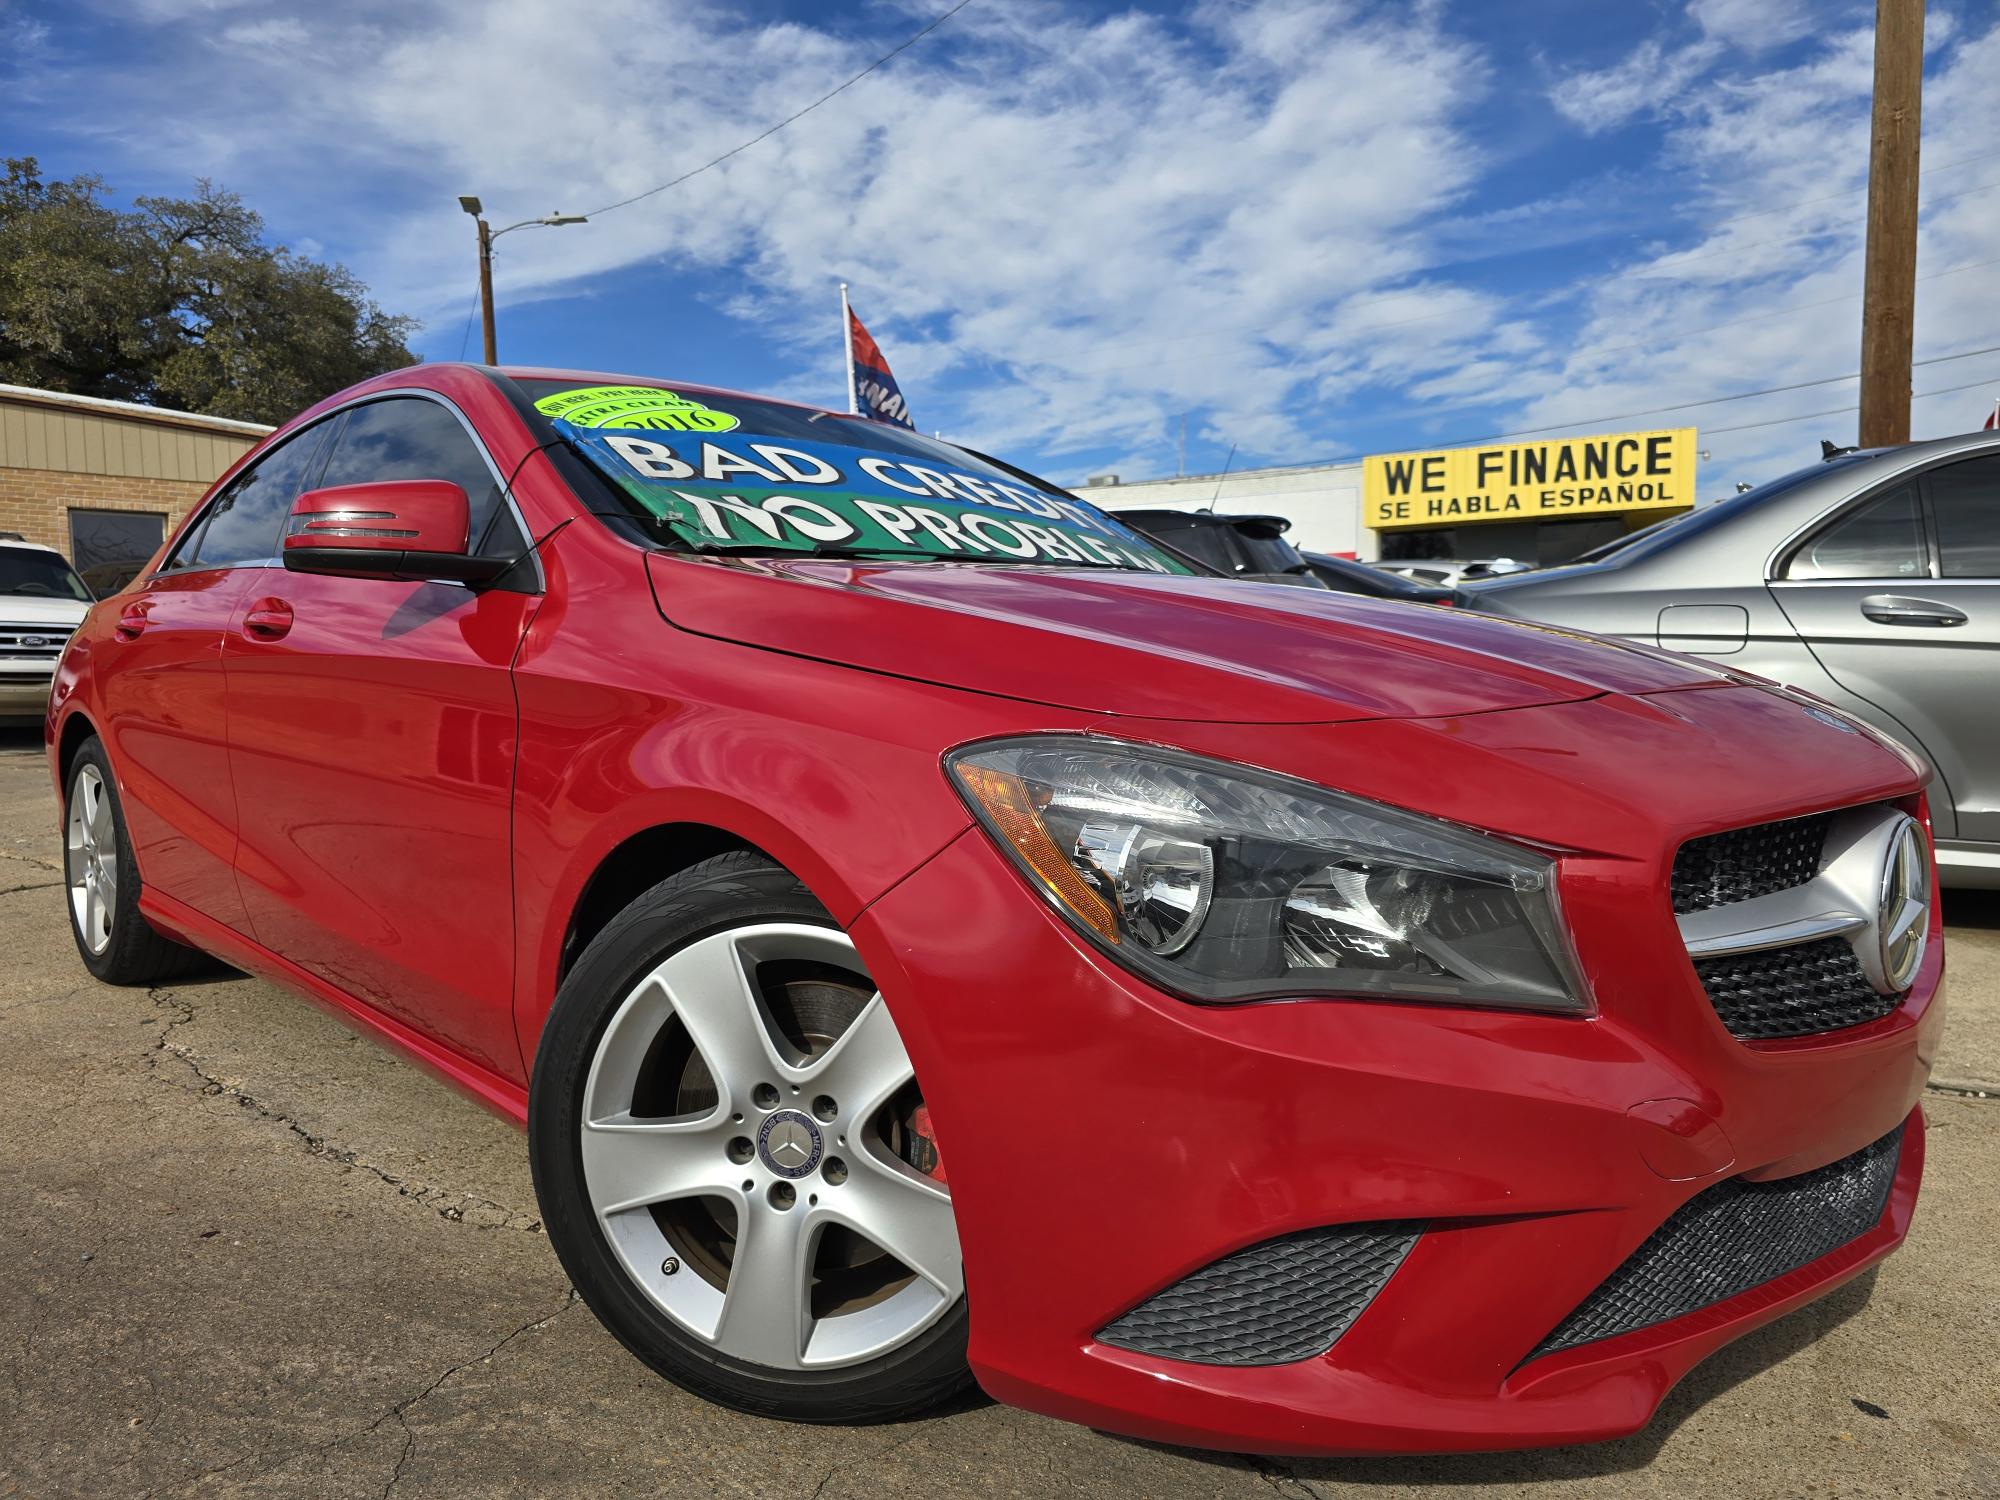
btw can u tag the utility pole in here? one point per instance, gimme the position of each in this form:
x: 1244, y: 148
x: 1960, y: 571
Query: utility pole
x: 486, y: 238
x: 489, y: 341
x: 1889, y: 291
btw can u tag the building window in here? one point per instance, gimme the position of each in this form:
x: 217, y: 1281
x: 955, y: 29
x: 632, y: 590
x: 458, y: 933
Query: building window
x: 109, y: 547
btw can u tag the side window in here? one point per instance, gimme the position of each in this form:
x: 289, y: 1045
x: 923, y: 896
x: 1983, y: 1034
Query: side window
x: 243, y: 522
x: 407, y: 437
x: 1883, y: 538
x: 1965, y: 508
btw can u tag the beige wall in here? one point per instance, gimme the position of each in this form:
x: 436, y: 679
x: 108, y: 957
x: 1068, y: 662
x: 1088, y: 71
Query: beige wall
x: 59, y: 452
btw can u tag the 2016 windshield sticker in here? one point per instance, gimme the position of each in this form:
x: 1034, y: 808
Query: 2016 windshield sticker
x: 642, y: 406
x: 759, y: 492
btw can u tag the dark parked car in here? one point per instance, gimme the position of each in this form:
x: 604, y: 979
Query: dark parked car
x: 1352, y: 577
x: 1251, y: 547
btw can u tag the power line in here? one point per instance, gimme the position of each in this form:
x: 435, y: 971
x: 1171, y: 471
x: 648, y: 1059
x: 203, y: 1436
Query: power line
x: 1841, y: 411
x: 464, y: 337
x: 1502, y: 437
x: 1435, y: 411
x: 1795, y: 307
x: 1775, y: 390
x: 766, y: 135
x: 1431, y: 317
x: 1453, y: 312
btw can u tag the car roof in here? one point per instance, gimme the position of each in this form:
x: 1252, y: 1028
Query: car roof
x: 22, y: 544
x: 1157, y: 516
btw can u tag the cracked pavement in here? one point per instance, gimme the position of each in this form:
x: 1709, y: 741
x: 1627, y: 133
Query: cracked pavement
x: 244, y: 1252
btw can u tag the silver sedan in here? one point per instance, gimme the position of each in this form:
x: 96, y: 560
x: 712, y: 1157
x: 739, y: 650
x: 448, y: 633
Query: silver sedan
x: 1871, y: 579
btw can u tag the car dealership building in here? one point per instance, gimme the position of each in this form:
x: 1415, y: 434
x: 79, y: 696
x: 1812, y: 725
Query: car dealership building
x: 1541, y: 502
x: 103, y: 482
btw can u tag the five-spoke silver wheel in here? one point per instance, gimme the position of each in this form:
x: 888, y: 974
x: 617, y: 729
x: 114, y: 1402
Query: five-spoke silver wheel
x: 91, y: 859
x: 754, y: 1150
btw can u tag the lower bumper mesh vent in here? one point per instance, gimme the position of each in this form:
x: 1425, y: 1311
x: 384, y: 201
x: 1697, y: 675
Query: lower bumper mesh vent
x: 1286, y: 1299
x: 1732, y: 1237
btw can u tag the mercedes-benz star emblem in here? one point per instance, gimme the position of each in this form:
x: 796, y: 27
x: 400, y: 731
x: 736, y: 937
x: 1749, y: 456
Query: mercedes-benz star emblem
x: 789, y: 1142
x: 1902, y: 919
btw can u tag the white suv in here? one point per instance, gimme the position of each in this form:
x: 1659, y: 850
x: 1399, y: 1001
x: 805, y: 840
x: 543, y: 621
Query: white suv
x: 41, y: 602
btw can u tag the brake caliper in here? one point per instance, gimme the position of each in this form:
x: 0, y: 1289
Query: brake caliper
x: 921, y: 1146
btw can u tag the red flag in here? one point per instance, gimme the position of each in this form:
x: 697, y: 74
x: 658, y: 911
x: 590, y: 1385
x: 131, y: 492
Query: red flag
x: 1992, y: 422
x: 872, y: 388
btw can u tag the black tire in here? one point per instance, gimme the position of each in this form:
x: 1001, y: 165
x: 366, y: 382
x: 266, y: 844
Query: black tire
x: 727, y: 891
x: 137, y: 953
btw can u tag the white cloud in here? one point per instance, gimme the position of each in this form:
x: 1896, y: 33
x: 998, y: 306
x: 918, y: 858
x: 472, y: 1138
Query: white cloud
x: 1070, y: 227
x: 1754, y: 25
x: 277, y: 33
x: 1647, y: 82
x: 1778, y: 163
x: 1049, y: 199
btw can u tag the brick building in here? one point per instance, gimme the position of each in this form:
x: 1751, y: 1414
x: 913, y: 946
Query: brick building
x: 104, y: 482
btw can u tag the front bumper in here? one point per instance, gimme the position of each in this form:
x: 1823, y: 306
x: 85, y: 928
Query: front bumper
x: 1106, y: 1141
x: 25, y: 696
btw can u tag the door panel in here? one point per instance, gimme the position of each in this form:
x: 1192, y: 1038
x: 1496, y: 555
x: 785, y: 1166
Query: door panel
x: 1925, y: 682
x: 372, y: 741
x: 165, y: 719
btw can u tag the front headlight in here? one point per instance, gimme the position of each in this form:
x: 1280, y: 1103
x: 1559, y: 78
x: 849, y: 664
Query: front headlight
x: 1225, y: 883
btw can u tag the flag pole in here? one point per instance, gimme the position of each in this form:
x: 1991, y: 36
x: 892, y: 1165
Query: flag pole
x: 847, y: 341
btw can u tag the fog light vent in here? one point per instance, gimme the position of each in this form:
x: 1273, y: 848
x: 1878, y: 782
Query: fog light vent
x: 1283, y: 1300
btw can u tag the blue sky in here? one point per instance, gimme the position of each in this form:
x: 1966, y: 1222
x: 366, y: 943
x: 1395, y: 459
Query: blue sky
x: 1311, y: 229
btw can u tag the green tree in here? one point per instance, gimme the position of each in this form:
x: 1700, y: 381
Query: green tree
x: 178, y: 302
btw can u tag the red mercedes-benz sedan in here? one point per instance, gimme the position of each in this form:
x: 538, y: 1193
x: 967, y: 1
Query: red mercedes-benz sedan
x: 931, y: 933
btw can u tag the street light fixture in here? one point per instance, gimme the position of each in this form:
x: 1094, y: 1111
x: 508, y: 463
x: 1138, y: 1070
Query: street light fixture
x: 487, y: 236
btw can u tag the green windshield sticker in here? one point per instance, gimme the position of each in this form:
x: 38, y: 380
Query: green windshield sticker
x: 768, y: 494
x: 642, y: 406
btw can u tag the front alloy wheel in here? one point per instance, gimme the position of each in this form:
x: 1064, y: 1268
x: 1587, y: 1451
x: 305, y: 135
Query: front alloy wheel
x: 90, y: 857
x: 743, y: 1181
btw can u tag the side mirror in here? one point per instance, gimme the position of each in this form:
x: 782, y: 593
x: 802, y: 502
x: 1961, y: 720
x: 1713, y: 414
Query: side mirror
x: 409, y: 529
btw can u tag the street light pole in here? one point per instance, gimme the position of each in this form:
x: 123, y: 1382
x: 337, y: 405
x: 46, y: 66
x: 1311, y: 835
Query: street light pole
x: 487, y: 235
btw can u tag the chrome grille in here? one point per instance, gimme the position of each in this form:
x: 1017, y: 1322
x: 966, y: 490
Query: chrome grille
x: 1784, y: 921
x: 33, y: 642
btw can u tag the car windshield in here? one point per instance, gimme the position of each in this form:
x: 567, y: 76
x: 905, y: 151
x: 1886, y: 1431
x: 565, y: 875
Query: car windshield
x: 725, y: 473
x: 39, y: 575
x: 1669, y: 533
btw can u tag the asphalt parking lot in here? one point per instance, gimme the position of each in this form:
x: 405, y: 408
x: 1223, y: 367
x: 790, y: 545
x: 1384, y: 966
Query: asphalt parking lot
x: 243, y: 1251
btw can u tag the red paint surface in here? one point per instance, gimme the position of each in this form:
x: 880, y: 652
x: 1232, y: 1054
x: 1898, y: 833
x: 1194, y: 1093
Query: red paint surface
x: 396, y: 802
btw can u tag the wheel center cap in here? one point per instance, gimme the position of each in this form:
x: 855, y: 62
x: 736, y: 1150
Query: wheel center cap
x: 789, y: 1143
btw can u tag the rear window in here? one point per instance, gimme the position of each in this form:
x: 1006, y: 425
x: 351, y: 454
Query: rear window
x: 734, y: 474
x: 1268, y: 552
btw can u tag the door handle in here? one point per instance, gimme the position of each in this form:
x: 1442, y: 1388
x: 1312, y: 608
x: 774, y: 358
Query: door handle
x: 267, y: 620
x: 132, y: 620
x: 1895, y: 609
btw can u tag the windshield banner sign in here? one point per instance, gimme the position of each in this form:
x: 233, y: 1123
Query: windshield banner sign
x: 749, y: 492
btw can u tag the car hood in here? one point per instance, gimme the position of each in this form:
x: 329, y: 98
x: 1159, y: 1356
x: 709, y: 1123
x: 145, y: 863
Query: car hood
x: 1151, y: 645
x: 36, y: 609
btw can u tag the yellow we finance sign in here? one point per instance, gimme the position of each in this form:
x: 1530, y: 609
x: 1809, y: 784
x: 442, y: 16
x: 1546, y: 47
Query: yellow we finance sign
x: 1547, y: 480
